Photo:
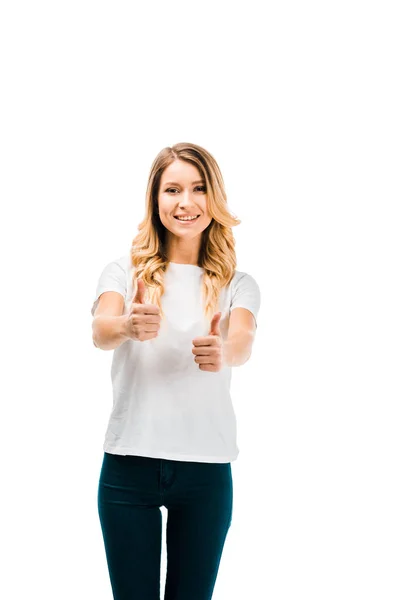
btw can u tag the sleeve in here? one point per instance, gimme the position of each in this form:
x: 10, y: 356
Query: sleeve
x: 246, y: 294
x: 112, y: 279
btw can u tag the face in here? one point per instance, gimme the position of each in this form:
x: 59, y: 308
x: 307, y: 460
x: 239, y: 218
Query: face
x: 183, y: 192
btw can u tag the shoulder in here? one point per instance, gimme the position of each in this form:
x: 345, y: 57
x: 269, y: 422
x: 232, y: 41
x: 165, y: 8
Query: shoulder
x: 124, y: 262
x: 120, y: 265
x: 117, y: 270
x: 244, y: 286
x: 243, y: 279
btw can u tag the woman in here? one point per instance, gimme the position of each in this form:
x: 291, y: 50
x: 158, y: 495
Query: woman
x: 178, y: 315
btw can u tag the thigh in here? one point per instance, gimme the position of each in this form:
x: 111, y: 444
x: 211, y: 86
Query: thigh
x: 199, y: 517
x: 131, y: 524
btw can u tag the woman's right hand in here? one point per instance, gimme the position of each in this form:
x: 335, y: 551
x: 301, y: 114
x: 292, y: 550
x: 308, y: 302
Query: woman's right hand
x: 143, y: 320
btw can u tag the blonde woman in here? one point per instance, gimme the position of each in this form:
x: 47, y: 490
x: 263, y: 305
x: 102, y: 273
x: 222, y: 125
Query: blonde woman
x: 178, y: 316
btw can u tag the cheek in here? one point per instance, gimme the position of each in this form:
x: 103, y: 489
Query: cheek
x: 164, y: 210
x: 204, y: 207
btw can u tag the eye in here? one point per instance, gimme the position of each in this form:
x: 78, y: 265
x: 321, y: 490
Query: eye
x: 202, y: 187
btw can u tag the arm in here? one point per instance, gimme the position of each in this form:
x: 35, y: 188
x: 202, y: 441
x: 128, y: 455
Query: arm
x: 109, y: 331
x: 238, y: 346
x: 109, y: 323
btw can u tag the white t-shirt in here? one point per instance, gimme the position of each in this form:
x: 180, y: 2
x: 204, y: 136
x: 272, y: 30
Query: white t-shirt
x: 164, y: 405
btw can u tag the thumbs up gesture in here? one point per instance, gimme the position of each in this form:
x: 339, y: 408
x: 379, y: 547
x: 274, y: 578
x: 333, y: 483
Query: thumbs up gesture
x: 207, y: 349
x: 143, y: 320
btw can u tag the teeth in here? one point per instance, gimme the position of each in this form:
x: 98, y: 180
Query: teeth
x: 186, y: 218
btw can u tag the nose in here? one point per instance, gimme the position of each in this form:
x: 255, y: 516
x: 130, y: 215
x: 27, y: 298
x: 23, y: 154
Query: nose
x: 185, y: 199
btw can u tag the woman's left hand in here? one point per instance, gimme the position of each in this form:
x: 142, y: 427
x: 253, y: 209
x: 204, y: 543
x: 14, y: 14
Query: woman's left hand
x: 208, y: 349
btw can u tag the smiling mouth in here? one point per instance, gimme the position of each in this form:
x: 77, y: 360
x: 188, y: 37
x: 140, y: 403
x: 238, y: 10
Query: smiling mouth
x: 178, y: 219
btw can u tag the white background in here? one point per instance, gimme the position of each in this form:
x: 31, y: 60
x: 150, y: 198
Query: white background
x: 299, y: 104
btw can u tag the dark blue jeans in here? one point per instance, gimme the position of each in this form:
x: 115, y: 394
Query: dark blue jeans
x: 198, y: 497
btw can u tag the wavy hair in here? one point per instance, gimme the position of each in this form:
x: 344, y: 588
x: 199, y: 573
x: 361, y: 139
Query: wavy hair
x: 217, y: 249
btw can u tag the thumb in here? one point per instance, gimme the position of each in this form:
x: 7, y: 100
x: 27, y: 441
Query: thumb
x: 214, y: 327
x: 139, y: 296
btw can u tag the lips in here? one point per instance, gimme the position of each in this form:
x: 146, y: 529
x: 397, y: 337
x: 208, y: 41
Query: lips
x: 176, y: 217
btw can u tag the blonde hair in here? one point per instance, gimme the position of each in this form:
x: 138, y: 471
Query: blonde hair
x: 217, y: 250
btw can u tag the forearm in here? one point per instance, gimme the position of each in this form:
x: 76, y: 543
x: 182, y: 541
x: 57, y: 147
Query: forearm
x: 109, y: 332
x: 237, y: 349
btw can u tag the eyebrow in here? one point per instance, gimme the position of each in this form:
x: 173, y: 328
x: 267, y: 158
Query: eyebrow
x: 193, y: 182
